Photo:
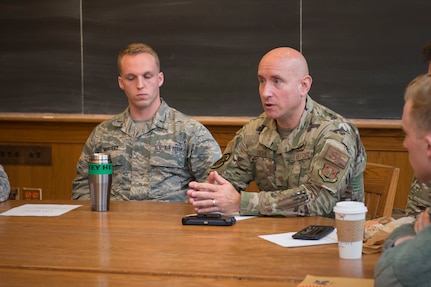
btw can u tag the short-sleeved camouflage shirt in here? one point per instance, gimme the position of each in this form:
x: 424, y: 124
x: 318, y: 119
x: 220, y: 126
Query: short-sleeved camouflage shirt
x: 153, y: 162
x: 319, y: 163
x: 4, y: 185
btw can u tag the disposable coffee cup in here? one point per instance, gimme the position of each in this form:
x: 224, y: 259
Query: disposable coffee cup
x: 99, y: 180
x: 350, y: 220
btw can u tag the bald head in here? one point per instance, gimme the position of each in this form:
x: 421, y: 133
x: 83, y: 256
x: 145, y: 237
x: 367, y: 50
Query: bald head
x: 284, y: 83
x: 286, y: 59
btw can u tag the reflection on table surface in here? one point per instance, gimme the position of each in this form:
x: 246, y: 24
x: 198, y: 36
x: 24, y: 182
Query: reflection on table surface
x: 146, y: 242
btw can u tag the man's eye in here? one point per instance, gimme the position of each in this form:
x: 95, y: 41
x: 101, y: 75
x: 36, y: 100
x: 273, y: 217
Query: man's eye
x: 130, y: 78
x: 148, y: 76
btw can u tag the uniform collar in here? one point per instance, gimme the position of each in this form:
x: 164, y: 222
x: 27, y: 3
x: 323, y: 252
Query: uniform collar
x: 271, y: 138
x: 159, y: 120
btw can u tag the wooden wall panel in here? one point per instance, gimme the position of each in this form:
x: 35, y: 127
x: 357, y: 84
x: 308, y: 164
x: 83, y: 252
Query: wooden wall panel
x: 66, y: 134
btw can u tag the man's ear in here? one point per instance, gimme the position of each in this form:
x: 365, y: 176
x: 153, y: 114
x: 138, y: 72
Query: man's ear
x: 306, y: 84
x: 428, y: 142
x: 120, y: 82
x: 161, y: 79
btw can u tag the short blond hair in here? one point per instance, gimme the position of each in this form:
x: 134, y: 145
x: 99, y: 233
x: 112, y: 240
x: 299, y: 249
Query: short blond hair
x: 134, y: 49
x: 418, y: 92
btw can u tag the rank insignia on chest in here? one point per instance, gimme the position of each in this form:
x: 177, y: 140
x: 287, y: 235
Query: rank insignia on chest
x: 329, y: 173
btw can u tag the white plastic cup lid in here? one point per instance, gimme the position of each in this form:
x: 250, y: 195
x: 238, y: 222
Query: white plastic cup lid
x: 350, y: 207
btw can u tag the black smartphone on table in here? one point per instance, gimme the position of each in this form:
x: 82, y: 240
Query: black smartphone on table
x: 209, y: 219
x: 313, y: 232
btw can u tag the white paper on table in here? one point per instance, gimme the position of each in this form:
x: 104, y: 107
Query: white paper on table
x: 243, y: 217
x: 286, y: 240
x: 40, y: 210
x: 237, y: 216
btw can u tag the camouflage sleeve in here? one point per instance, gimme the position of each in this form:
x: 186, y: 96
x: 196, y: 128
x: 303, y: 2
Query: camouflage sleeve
x: 80, y: 188
x: 333, y: 173
x: 419, y: 198
x: 203, y: 153
x: 235, y: 164
x: 305, y: 200
x: 4, y: 185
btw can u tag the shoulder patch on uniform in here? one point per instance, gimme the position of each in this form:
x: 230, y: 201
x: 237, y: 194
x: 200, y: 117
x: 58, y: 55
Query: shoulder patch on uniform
x: 221, y: 161
x: 336, y: 156
x: 331, y: 165
x: 329, y: 173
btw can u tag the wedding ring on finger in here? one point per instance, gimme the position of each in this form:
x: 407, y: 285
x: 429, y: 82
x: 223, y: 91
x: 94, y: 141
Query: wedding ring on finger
x: 214, y: 203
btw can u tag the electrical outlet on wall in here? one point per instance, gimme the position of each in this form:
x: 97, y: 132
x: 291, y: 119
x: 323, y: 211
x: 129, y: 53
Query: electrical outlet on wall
x: 25, y: 155
x: 31, y: 193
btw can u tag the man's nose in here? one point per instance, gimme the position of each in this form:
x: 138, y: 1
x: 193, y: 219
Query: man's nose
x: 140, y: 83
x: 265, y: 90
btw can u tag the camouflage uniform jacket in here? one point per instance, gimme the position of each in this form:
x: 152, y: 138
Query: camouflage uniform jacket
x: 419, y: 197
x: 320, y: 162
x: 4, y: 185
x: 153, y: 163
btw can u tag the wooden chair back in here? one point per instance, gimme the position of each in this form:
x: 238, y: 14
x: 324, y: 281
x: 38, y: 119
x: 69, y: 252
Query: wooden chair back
x: 380, y: 185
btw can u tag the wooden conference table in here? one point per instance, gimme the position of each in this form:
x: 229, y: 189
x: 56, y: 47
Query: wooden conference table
x: 144, y: 243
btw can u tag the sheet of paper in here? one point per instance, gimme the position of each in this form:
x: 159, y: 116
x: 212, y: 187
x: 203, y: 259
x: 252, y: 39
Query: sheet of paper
x: 40, y: 210
x: 317, y: 281
x: 243, y: 217
x: 286, y: 240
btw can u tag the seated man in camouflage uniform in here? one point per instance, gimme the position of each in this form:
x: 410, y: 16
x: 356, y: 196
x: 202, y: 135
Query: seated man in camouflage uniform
x: 420, y: 193
x: 4, y: 185
x: 302, y: 156
x: 155, y: 150
x: 405, y: 260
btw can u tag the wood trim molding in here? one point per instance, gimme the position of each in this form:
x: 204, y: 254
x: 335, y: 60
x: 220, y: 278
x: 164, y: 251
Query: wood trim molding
x: 67, y: 133
x: 225, y: 121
